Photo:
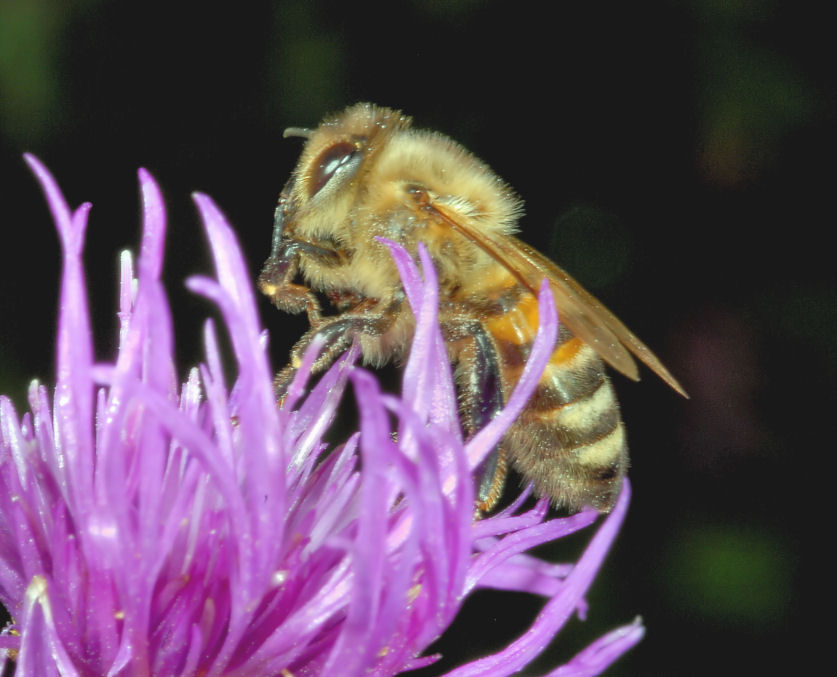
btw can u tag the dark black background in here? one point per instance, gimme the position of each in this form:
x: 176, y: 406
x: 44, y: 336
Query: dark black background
x: 675, y: 156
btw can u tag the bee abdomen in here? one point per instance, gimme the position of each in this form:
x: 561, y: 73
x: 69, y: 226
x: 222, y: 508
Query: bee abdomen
x: 570, y: 440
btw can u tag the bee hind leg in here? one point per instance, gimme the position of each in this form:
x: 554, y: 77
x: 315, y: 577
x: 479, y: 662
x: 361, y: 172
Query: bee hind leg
x: 481, y: 394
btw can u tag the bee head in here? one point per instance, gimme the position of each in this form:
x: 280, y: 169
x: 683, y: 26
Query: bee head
x: 317, y: 202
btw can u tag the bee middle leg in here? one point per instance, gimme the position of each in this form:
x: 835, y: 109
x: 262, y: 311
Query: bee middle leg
x: 336, y: 335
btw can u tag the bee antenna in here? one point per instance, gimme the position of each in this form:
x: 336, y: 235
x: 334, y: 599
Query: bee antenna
x: 303, y: 132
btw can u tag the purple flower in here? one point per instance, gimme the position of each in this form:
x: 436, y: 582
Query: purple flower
x: 151, y: 528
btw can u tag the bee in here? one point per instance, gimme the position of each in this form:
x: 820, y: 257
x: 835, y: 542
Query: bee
x: 366, y: 173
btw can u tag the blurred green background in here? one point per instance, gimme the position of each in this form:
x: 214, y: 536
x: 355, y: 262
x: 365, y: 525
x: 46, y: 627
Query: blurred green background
x: 675, y: 156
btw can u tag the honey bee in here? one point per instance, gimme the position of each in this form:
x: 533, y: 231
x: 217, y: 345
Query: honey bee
x: 367, y: 172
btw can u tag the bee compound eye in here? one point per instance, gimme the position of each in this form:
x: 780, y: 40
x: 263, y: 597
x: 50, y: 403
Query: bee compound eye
x: 331, y: 160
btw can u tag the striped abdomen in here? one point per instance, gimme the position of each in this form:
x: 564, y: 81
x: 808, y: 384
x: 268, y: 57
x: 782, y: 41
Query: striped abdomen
x: 570, y: 440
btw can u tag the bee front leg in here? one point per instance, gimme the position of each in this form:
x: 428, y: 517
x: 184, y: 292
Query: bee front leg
x: 280, y: 269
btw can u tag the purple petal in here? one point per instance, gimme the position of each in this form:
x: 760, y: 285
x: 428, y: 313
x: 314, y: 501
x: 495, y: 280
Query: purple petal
x: 74, y: 394
x: 559, y: 608
x: 597, y: 657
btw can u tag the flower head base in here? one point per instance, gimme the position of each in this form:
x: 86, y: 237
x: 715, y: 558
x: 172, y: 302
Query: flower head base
x: 201, y: 530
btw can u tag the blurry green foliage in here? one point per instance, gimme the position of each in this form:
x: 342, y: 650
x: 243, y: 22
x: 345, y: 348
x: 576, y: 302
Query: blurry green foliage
x: 731, y: 575
x: 307, y: 65
x: 751, y: 98
x: 30, y: 91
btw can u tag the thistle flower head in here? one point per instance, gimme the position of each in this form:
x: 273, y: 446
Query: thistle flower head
x: 148, y: 527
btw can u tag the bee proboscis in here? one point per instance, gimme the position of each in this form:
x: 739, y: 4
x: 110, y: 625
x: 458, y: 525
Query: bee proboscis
x: 367, y: 172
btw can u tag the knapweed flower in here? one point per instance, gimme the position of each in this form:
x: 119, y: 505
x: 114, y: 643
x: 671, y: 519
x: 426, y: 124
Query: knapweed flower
x: 148, y: 528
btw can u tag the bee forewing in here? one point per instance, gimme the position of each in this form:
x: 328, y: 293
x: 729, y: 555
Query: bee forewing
x: 595, y: 316
x: 581, y: 312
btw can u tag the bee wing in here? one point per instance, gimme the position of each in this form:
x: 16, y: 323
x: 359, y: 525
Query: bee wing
x: 588, y: 318
x: 583, y: 314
